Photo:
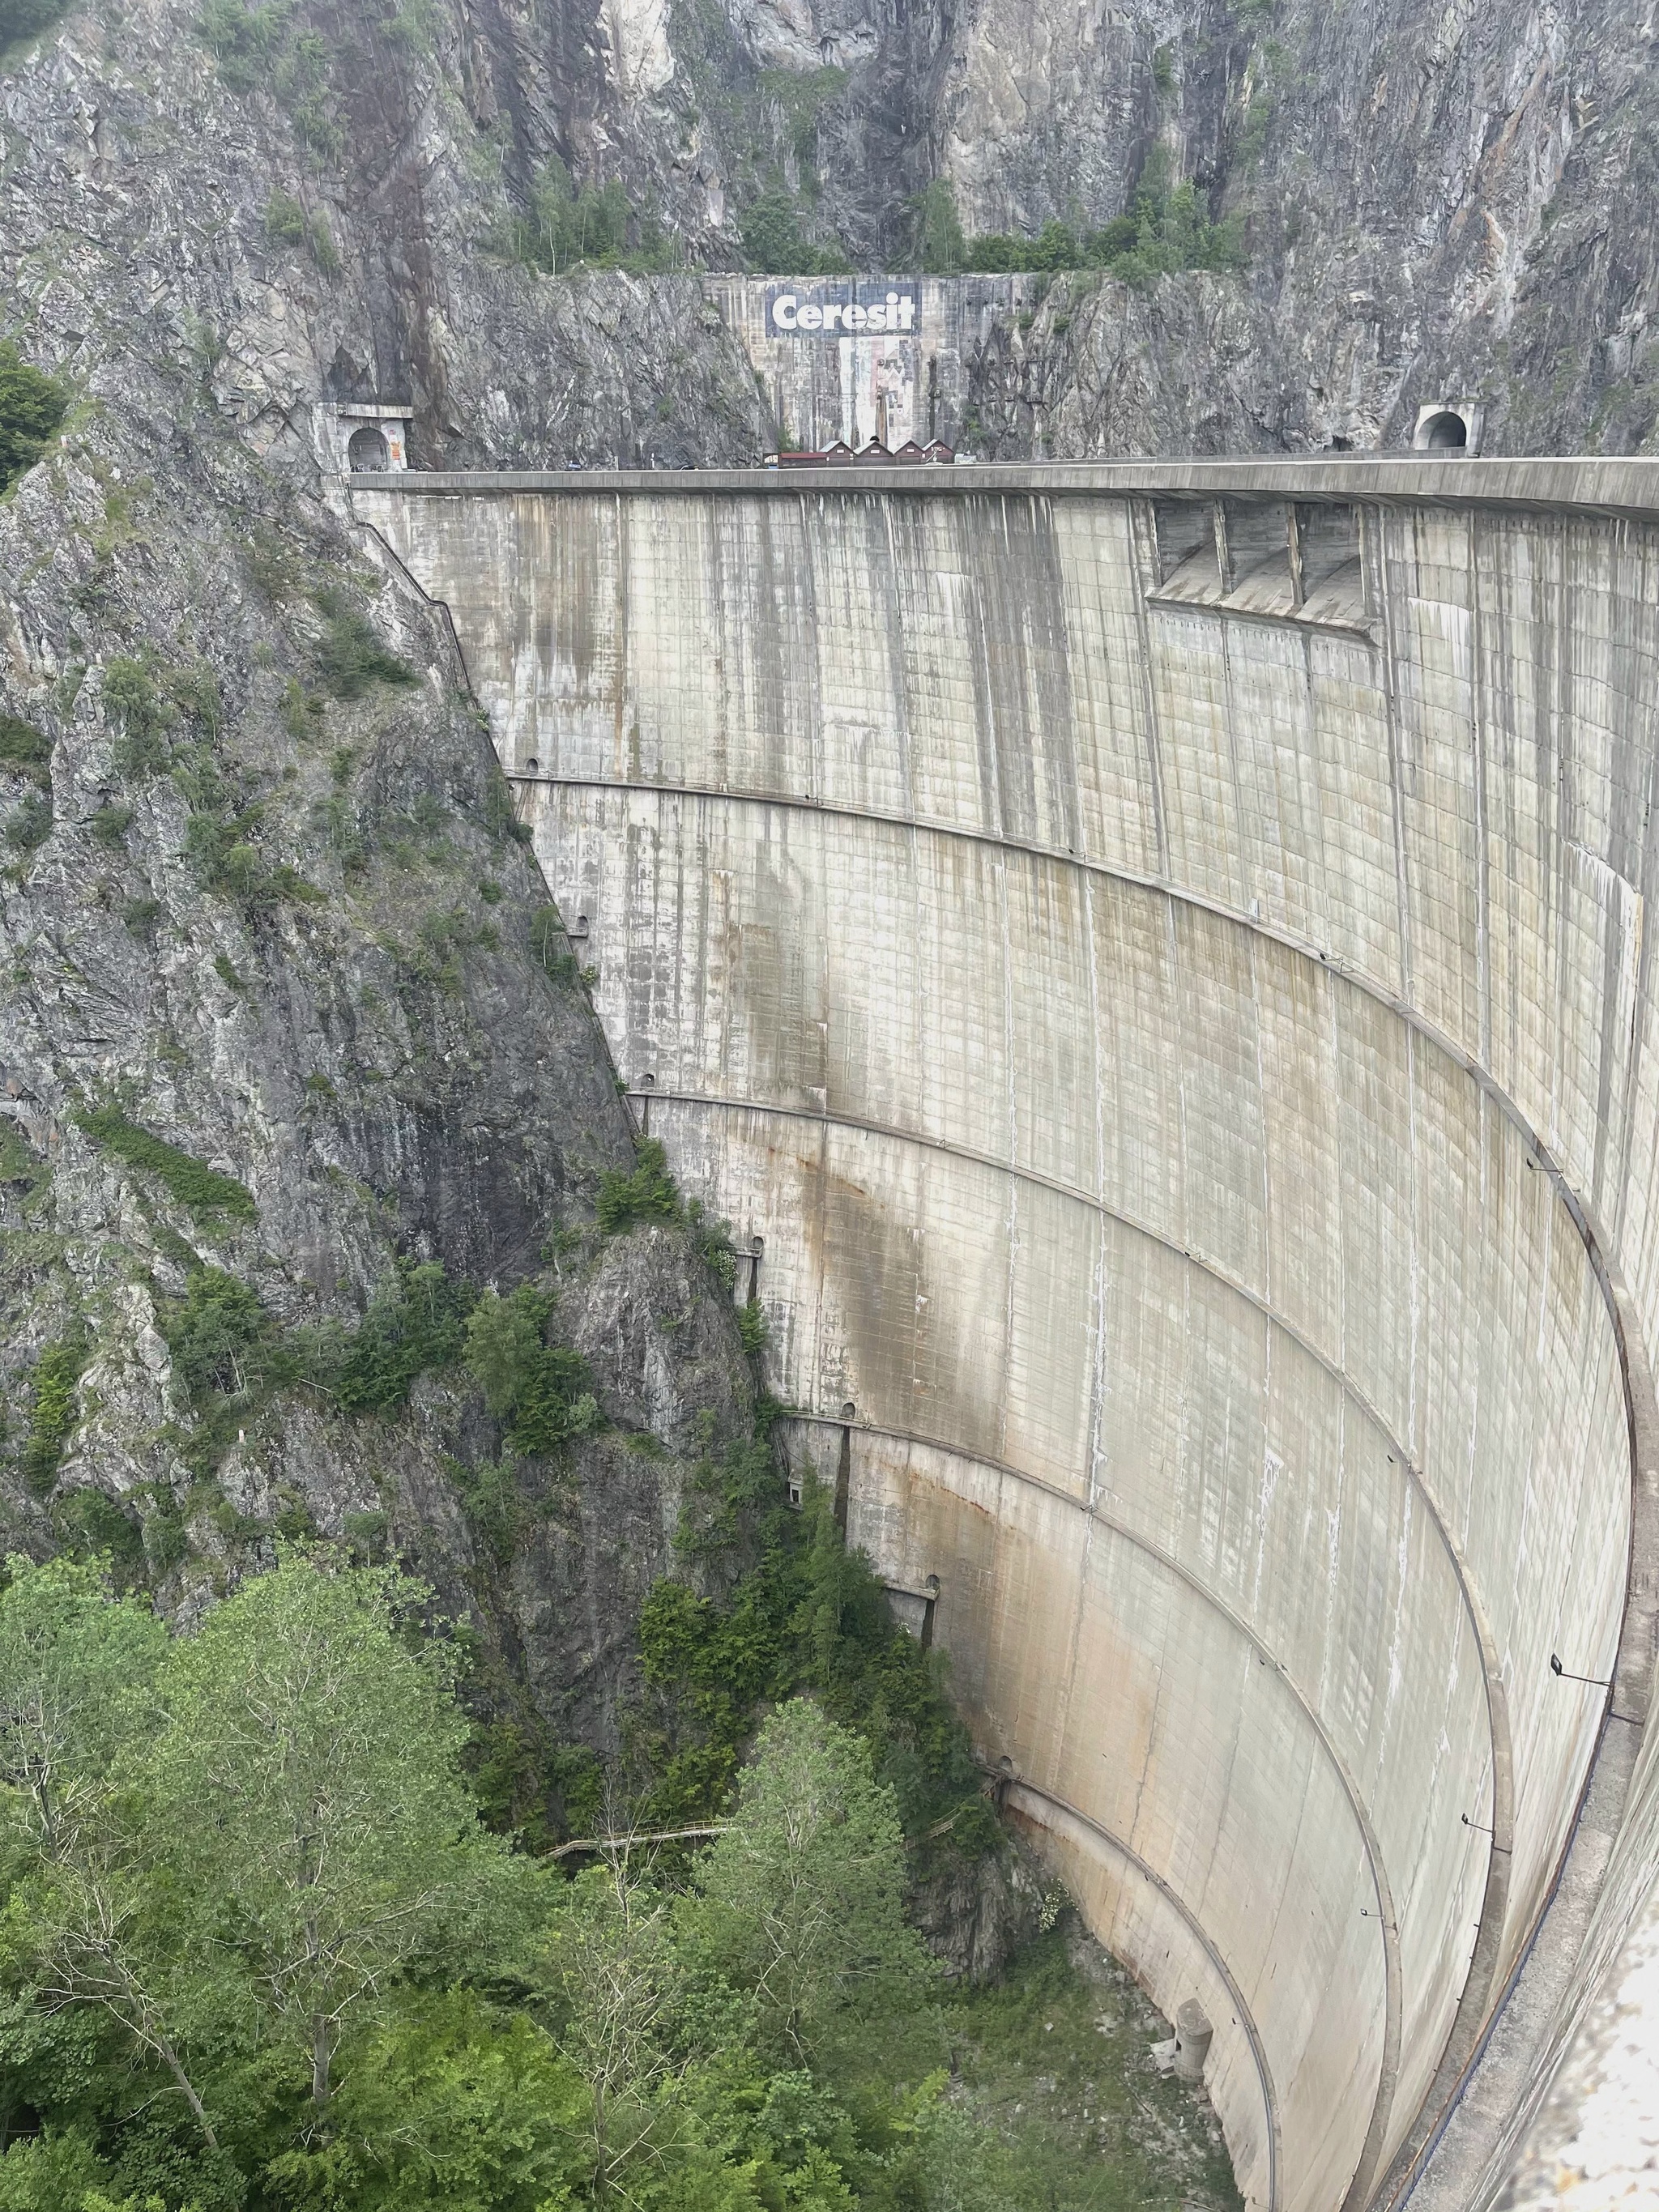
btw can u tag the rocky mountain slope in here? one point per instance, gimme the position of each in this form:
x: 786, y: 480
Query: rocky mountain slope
x: 288, y: 1035
x: 1427, y: 200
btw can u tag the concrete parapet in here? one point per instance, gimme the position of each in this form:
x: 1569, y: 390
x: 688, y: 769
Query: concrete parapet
x: 1158, y: 951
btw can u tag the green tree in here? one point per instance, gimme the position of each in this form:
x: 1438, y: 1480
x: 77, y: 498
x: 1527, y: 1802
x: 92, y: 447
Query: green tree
x: 415, y: 1323
x: 31, y: 405
x: 308, y: 1797
x: 940, y: 247
x: 453, y: 2104
x: 52, y: 1421
x: 802, y: 1900
x: 774, y: 242
x: 539, y: 1389
x: 505, y: 1339
x: 51, y: 2172
x: 78, y: 1671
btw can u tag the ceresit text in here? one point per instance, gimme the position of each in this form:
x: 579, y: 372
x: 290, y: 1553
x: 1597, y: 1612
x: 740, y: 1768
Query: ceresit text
x: 790, y: 314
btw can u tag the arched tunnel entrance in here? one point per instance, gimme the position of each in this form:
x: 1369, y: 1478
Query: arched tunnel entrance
x: 1445, y: 433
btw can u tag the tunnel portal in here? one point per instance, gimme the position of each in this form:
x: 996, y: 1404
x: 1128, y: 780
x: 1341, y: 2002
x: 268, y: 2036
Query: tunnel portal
x: 1156, y: 954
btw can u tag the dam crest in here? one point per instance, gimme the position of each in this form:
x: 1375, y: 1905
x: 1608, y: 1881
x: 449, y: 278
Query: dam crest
x: 1151, y: 959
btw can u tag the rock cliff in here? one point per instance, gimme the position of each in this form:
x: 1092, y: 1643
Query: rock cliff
x: 287, y: 1017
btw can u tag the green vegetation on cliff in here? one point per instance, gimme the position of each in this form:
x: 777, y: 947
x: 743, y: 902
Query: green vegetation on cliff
x: 258, y: 1953
x: 206, y: 1194
x: 808, y: 1617
x: 51, y: 1419
x: 594, y: 228
x: 1167, y: 229
x: 22, y: 19
x: 774, y: 228
x: 31, y: 405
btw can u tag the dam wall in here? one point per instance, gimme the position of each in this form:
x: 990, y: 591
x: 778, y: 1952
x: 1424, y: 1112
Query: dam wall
x: 1151, y: 959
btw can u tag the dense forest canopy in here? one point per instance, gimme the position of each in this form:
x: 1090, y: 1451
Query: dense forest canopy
x: 259, y: 1952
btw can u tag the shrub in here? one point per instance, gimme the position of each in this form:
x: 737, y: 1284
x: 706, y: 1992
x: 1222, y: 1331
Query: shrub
x: 539, y: 1389
x: 548, y: 941
x: 416, y: 1322
x: 940, y: 247
x: 23, y: 747
x: 214, y: 1333
x: 350, y: 658
x: 92, y: 1526
x: 31, y: 826
x: 57, y: 1374
x: 287, y: 223
x: 31, y: 405
x: 285, y: 220
x: 324, y: 251
x: 595, y: 228
x: 751, y: 1327
x: 648, y: 1194
x: 110, y: 824
x: 1164, y: 230
x: 242, y: 39
x: 132, y: 702
x: 195, y: 689
x: 204, y: 1192
x: 226, y: 859
x: 774, y: 243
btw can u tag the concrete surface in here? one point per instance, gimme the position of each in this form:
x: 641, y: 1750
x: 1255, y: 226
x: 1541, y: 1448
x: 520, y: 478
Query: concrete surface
x: 1158, y: 952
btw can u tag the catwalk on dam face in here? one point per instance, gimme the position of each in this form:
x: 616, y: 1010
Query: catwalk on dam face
x: 1162, y: 967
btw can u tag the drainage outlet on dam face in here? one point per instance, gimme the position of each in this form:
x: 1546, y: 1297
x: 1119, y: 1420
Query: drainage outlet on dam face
x: 1192, y: 2040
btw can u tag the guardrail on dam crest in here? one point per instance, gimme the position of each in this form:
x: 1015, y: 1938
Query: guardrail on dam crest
x: 1158, y: 954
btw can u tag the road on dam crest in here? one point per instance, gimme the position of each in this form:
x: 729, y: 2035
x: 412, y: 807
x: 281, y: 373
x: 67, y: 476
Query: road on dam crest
x: 1151, y: 960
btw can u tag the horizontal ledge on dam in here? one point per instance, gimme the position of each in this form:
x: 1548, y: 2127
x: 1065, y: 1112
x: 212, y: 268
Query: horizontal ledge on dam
x: 1064, y: 856
x: 1591, y: 485
x: 1019, y: 1787
x: 1171, y: 1565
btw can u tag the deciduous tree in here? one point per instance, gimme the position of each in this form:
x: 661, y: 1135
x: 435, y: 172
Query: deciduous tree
x: 803, y: 1897
x: 308, y: 1788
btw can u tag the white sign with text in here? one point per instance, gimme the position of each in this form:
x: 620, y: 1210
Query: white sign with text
x: 851, y: 310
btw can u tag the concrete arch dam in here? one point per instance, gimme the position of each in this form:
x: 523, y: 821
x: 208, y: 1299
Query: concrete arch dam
x: 1158, y: 953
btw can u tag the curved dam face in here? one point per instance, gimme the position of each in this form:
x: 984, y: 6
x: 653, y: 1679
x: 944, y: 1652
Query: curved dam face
x: 1157, y: 955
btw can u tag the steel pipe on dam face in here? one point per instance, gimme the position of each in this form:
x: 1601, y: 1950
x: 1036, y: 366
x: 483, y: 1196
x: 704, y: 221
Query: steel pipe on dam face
x: 1157, y: 953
